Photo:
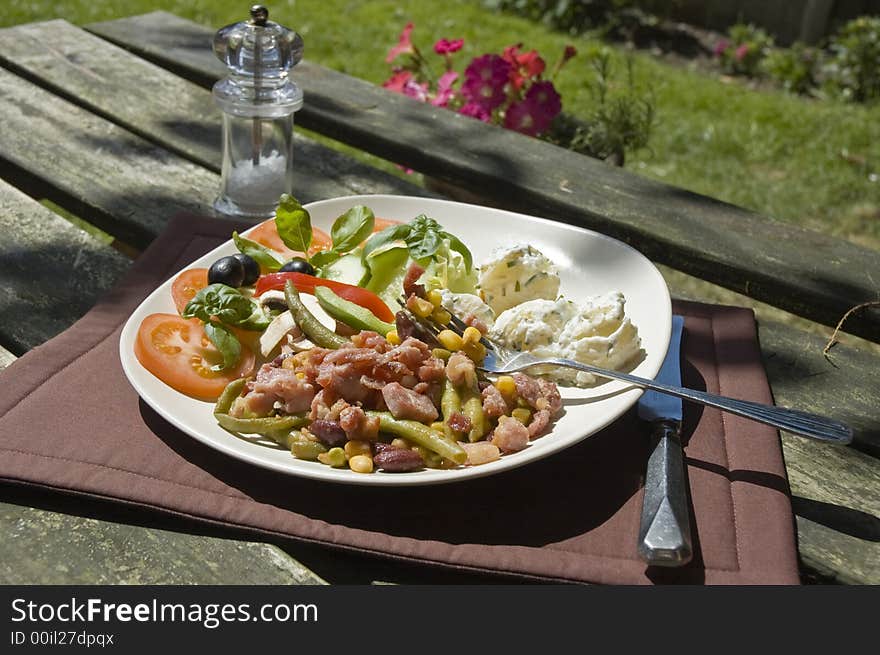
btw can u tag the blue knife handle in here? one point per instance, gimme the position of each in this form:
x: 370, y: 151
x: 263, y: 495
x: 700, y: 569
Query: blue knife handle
x: 665, y: 527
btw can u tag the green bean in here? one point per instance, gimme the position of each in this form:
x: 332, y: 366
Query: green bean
x: 261, y: 425
x: 317, y: 332
x: 420, y: 434
x: 230, y: 393
x: 302, y: 447
x: 450, y: 403
x: 472, y: 407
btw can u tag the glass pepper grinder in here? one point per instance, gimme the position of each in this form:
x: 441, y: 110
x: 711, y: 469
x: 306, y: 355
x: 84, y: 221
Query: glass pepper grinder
x: 258, y: 100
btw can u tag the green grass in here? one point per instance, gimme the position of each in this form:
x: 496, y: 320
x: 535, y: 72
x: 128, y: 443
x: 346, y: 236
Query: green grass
x: 813, y: 163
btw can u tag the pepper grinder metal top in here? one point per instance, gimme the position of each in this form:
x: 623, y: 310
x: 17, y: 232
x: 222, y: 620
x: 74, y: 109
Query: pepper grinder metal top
x: 258, y: 100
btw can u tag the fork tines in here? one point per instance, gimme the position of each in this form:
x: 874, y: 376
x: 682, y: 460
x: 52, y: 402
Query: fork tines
x: 455, y: 324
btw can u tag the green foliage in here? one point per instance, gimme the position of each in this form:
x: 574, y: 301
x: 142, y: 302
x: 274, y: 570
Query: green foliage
x: 853, y: 68
x: 795, y: 69
x: 621, y: 118
x: 744, y: 49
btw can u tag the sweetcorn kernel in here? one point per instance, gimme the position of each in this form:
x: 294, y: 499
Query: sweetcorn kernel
x: 449, y: 340
x: 419, y: 306
x: 506, y: 386
x: 288, y: 363
x: 435, y: 298
x: 400, y: 443
x: 361, y: 464
x: 392, y: 338
x: 334, y: 457
x: 441, y: 316
x: 476, y: 351
x: 353, y: 448
x: 471, y: 335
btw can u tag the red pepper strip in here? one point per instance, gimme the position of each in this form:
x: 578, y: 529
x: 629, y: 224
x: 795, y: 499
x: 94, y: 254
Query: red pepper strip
x: 307, y: 283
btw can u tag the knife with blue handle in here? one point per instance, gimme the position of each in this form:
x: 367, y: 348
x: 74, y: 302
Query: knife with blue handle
x: 665, y: 528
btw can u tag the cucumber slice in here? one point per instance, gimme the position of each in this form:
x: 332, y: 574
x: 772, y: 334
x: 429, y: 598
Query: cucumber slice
x: 347, y: 269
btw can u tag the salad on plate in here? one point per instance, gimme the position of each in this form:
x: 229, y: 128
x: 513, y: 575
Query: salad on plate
x: 307, y: 340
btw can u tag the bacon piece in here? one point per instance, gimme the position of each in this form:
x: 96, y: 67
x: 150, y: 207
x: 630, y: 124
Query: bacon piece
x: 510, y: 435
x: 357, y: 425
x: 494, y: 404
x: 461, y: 371
x: 480, y: 452
x: 459, y: 422
x: 538, y: 424
x: 539, y: 393
x: 294, y: 394
x: 404, y: 403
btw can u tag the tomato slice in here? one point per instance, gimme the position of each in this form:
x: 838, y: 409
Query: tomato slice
x: 187, y: 285
x: 307, y: 283
x: 382, y: 223
x: 266, y: 234
x: 178, y: 352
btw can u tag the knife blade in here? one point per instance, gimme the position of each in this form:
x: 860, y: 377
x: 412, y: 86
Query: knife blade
x: 664, y: 530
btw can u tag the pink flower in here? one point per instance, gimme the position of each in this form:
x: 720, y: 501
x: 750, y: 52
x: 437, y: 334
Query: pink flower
x: 721, y: 47
x: 742, y: 51
x: 476, y: 111
x: 536, y: 112
x: 525, y: 66
x: 415, y: 90
x: 444, y: 89
x: 404, y: 44
x: 447, y: 47
x: 397, y: 81
x: 484, y: 81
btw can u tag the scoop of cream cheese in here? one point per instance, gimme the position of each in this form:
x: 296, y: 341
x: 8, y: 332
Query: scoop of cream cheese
x: 596, y: 332
x: 515, y: 275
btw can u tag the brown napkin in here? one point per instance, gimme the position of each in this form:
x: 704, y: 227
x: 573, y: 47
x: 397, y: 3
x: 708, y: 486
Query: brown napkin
x: 69, y: 420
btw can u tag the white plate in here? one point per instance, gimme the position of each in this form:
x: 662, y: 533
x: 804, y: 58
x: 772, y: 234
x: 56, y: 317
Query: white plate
x: 589, y: 264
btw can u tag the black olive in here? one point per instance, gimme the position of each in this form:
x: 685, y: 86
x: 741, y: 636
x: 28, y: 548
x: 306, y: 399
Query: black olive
x: 251, y: 268
x: 298, y: 265
x: 226, y: 270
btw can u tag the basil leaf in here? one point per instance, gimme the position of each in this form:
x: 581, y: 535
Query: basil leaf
x: 423, y: 244
x: 226, y: 342
x: 226, y: 304
x: 293, y: 223
x: 323, y: 258
x: 260, y: 253
x: 386, y: 236
x: 351, y: 228
x: 456, y: 244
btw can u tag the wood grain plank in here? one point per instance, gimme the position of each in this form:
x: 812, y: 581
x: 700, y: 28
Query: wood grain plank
x: 804, y: 272
x: 52, y: 271
x: 164, y: 108
x: 125, y: 185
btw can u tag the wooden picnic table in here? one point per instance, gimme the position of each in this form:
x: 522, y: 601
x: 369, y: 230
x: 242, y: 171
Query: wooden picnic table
x: 115, y: 124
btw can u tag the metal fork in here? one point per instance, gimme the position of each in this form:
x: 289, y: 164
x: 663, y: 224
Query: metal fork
x: 500, y: 359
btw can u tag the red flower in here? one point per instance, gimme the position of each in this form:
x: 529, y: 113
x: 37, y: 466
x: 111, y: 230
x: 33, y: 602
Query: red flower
x: 476, y: 111
x: 447, y: 47
x: 721, y: 47
x: 398, y: 81
x: 484, y: 81
x: 404, y: 44
x: 536, y: 112
x: 523, y: 67
x: 742, y: 51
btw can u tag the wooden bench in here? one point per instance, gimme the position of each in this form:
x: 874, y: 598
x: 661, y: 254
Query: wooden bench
x: 125, y: 139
